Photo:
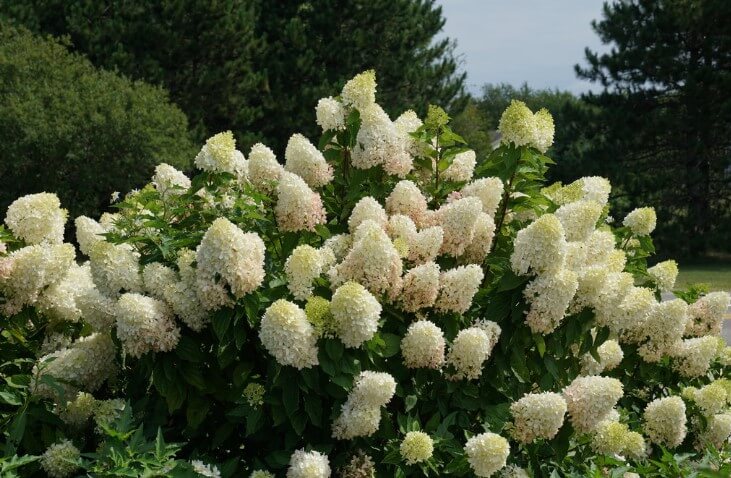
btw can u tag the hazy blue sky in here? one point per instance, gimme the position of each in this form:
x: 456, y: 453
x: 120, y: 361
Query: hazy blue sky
x: 512, y: 41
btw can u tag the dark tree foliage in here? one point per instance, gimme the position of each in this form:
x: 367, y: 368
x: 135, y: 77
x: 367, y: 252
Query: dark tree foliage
x: 663, y: 123
x: 202, y: 52
x: 69, y: 128
x: 258, y: 67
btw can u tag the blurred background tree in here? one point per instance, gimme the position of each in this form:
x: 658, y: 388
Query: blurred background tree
x: 258, y: 67
x: 72, y: 129
x: 660, y: 127
x: 662, y: 124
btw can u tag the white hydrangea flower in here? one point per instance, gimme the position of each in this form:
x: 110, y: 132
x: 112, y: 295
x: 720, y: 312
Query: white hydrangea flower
x: 416, y: 447
x: 462, y: 167
x: 407, y: 123
x: 549, y: 297
x: 517, y: 124
x: 379, y: 142
x: 241, y: 167
x: 406, y: 198
x: 356, y: 313
x: 663, y: 329
x: 169, y: 181
x: 469, y: 351
x: 261, y: 474
x: 339, y: 244
x: 305, y: 160
x: 356, y: 422
x: 611, y: 355
x: 665, y: 422
x: 641, y: 221
x: 599, y: 245
x: 88, y: 233
x: 145, y: 325
x: 664, y: 274
x: 476, y: 252
x: 287, y: 334
x: 545, y: 130
x: 234, y: 257
x: 209, y: 471
x: 264, y: 169
x: 635, y: 307
x: 31, y: 269
x: 579, y: 219
x: 400, y: 226
x: 711, y: 399
x: 361, y: 412
x: 615, y: 438
x: 298, y: 208
x: 302, y: 267
x: 77, y: 412
x: 61, y: 459
x: 492, y: 329
x: 457, y: 288
x: 58, y: 301
x: 610, y: 294
x: 373, y: 261
x: 488, y: 190
x: 218, y: 154
x: 115, y: 268
x: 605, y: 291
x: 360, y: 91
x: 575, y: 258
x: 707, y: 313
x: 423, y: 345
x: 157, y: 278
x: 425, y: 245
x: 487, y: 453
x: 308, y: 464
x: 717, y: 432
x: 540, y: 247
x: 693, y: 357
x: 37, y: 218
x: 86, y: 364
x: 53, y: 342
x: 459, y: 221
x: 367, y: 209
x: 177, y: 294
x: 590, y: 400
x: 596, y: 188
x: 98, y: 310
x: 330, y: 114
x: 421, y: 287
x: 513, y: 471
x: 537, y: 415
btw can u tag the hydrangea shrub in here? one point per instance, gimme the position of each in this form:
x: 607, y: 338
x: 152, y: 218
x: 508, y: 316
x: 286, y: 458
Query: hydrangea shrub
x: 376, y: 304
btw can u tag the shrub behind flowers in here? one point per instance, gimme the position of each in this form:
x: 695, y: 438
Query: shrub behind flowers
x: 378, y: 304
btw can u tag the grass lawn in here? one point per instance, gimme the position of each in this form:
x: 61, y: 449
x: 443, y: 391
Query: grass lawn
x: 717, y: 274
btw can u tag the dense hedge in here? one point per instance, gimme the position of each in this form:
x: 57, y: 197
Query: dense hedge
x: 81, y: 132
x: 379, y: 305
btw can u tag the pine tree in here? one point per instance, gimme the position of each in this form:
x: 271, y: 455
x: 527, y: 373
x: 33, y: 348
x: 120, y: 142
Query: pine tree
x: 258, y: 67
x: 664, y: 131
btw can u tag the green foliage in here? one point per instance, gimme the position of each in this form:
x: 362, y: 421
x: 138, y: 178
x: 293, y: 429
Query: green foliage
x: 81, y: 132
x: 125, y: 452
x: 662, y: 123
x: 258, y: 67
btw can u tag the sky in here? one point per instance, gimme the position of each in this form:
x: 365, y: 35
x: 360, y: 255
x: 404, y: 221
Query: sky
x: 516, y: 41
